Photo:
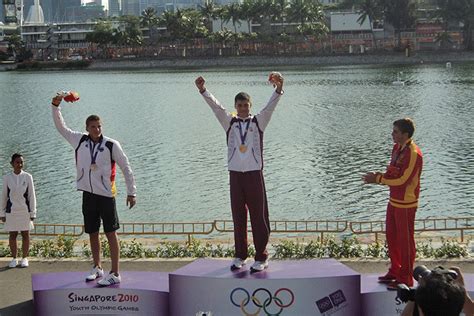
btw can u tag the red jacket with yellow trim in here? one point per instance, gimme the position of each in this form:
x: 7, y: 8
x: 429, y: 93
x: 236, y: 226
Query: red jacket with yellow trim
x: 403, y: 175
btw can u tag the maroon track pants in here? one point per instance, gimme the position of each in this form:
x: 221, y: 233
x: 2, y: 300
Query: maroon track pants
x: 247, y: 192
x: 400, y: 227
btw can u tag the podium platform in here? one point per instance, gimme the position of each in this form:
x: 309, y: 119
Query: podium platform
x: 305, y: 287
x: 67, y: 293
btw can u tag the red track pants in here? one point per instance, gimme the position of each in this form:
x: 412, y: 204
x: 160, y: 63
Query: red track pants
x: 400, y: 226
x: 247, y: 191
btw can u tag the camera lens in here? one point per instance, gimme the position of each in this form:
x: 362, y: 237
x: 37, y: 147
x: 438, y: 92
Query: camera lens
x: 421, y: 271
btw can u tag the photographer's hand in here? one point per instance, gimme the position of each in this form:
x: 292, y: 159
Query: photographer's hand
x: 468, y: 307
x: 409, y: 309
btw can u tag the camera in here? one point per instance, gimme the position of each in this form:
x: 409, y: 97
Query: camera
x: 405, y: 293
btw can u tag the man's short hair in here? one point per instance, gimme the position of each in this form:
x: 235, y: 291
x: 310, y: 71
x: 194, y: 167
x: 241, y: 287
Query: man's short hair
x: 242, y: 96
x: 92, y: 118
x: 439, y: 295
x: 14, y: 156
x: 405, y: 125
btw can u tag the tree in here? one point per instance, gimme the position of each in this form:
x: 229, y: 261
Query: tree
x: 209, y: 12
x: 102, y: 35
x: 464, y: 11
x: 305, y: 11
x: 129, y: 32
x: 232, y: 13
x: 149, y: 20
x: 371, y: 10
x: 399, y: 13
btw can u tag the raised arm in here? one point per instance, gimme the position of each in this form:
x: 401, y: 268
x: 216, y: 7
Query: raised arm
x: 223, y: 116
x: 71, y: 136
x: 266, y: 113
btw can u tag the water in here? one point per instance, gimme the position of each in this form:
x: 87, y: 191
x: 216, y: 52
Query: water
x: 332, y: 125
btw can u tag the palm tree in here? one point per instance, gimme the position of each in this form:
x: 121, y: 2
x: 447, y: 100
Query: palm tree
x: 369, y: 9
x: 305, y: 11
x: 209, y: 12
x: 399, y: 13
x: 233, y: 13
x: 464, y: 11
x: 149, y: 19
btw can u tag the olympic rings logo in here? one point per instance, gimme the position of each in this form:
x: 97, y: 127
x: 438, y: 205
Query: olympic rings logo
x: 262, y: 299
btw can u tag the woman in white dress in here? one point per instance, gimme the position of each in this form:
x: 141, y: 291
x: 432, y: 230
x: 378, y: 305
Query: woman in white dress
x: 18, y: 208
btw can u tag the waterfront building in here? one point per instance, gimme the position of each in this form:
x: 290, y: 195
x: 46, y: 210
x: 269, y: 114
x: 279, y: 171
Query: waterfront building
x: 114, y: 8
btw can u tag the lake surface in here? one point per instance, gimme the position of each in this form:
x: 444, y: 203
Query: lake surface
x: 332, y: 125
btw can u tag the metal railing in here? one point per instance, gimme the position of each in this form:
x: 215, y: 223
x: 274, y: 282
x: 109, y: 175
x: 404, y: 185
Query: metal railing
x: 457, y: 224
x: 188, y: 229
x: 460, y: 225
x: 287, y: 226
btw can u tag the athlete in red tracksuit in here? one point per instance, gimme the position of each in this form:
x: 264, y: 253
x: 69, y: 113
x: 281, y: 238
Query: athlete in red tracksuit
x: 403, y: 178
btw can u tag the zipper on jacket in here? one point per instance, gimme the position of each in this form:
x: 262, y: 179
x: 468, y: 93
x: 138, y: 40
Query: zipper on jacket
x: 253, y: 154
x: 90, y: 181
x: 232, y: 155
x: 82, y: 175
x: 102, y: 180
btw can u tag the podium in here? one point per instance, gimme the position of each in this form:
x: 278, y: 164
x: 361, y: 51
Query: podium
x: 67, y: 293
x: 306, y: 287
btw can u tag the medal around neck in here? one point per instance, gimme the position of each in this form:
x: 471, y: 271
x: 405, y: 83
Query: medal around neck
x: 242, y: 148
x: 94, y: 167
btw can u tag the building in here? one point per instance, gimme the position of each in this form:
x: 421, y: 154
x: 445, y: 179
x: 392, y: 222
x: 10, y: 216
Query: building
x: 114, y: 8
x: 58, y: 40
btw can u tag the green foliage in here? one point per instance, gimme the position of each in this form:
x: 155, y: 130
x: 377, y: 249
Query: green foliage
x: 5, y: 251
x: 451, y: 249
x: 61, y: 247
x: 376, y: 250
x: 104, y: 246
x: 425, y: 250
x: 133, y: 249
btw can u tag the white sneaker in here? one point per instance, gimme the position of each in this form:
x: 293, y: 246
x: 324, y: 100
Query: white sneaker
x: 110, y: 279
x: 24, y: 263
x: 95, y: 273
x: 13, y: 263
x: 237, y: 263
x: 259, y: 266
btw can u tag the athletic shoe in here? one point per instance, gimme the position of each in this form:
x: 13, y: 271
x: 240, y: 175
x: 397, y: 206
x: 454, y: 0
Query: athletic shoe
x: 95, y: 273
x: 24, y: 263
x: 13, y: 263
x: 237, y: 263
x: 110, y: 279
x: 387, y: 278
x: 259, y: 266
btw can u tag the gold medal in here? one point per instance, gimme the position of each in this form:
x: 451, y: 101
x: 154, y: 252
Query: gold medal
x: 242, y: 148
x: 93, y: 167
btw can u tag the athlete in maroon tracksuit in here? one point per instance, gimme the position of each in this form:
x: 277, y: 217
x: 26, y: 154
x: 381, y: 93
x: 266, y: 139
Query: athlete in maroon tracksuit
x: 245, y: 164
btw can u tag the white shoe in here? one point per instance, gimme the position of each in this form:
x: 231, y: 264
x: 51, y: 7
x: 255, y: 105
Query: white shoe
x: 259, y: 266
x: 110, y: 279
x: 13, y: 263
x: 237, y: 263
x: 95, y: 273
x: 24, y: 263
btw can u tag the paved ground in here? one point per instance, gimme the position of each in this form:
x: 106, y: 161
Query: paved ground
x: 16, y: 292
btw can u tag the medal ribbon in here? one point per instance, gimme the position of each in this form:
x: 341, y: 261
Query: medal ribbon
x: 244, y: 135
x: 94, y: 152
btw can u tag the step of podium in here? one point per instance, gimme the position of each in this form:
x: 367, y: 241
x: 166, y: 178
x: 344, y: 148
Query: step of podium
x: 296, y: 287
x: 67, y: 293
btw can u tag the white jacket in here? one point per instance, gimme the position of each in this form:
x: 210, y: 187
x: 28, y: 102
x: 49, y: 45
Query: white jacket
x: 18, y: 194
x: 252, y: 158
x: 101, y: 180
